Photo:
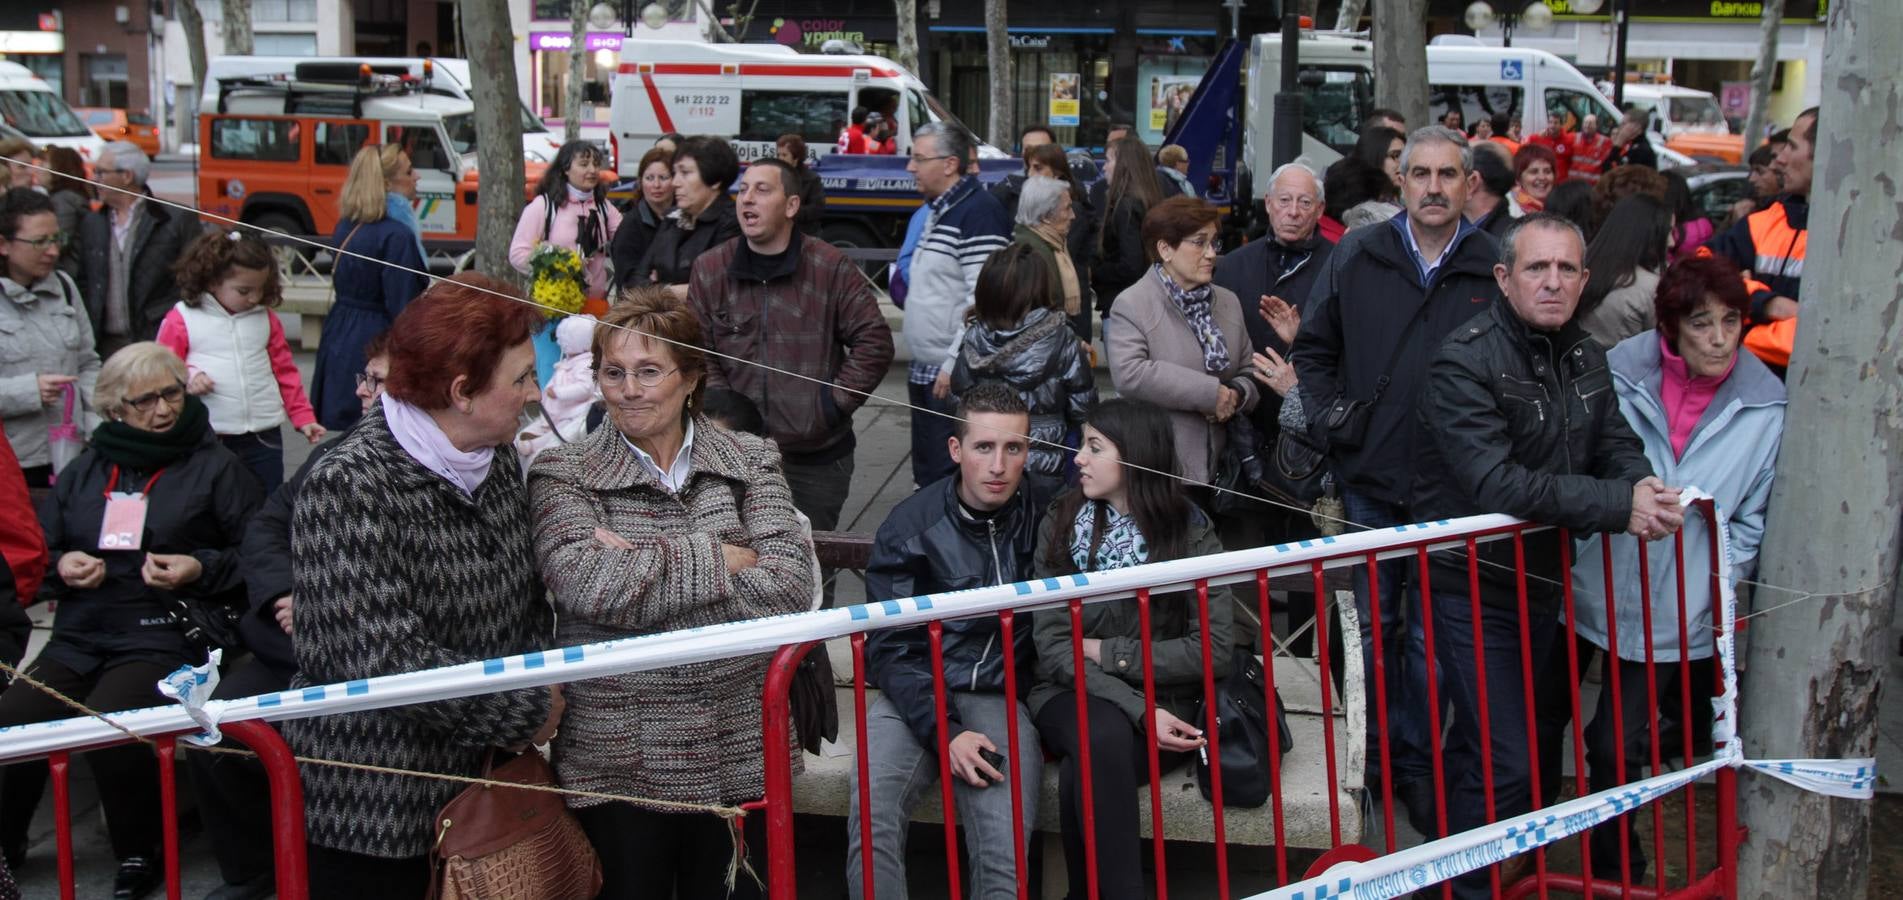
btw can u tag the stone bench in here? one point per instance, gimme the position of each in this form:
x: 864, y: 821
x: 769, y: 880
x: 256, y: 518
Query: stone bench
x: 825, y: 787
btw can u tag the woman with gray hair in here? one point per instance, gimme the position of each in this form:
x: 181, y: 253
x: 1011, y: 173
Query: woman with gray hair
x: 1049, y: 211
x: 136, y: 591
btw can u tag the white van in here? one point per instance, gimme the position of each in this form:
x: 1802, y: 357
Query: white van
x: 1678, y: 110
x: 449, y: 78
x: 30, y: 106
x: 1336, y: 73
x: 753, y: 93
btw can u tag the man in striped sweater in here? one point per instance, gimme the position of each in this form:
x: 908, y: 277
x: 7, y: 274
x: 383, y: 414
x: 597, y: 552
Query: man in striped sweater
x: 964, y: 227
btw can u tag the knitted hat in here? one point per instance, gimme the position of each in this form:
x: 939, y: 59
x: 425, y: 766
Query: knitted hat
x: 575, y: 333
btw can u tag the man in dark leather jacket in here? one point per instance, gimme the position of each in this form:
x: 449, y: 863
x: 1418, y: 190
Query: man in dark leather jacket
x: 1520, y: 418
x: 974, y: 529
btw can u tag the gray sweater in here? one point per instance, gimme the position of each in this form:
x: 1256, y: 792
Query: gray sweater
x: 43, y: 330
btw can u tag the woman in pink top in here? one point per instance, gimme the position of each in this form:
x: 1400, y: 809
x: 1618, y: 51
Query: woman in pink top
x: 570, y: 209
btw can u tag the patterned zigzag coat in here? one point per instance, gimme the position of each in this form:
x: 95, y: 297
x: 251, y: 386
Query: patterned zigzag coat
x: 398, y: 570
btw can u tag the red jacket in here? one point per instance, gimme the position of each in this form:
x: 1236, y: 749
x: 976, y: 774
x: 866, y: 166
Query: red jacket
x: 21, y: 541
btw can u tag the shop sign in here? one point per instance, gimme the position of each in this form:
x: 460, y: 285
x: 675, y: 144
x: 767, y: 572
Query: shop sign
x: 812, y: 34
x: 562, y: 41
x: 1030, y: 41
x: 32, y: 42
x: 1169, y: 94
x: 1712, y: 10
x: 1064, y: 111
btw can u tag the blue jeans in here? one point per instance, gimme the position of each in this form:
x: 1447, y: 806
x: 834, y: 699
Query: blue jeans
x: 1403, y: 648
x: 931, y: 434
x: 1506, y: 754
x: 262, y: 453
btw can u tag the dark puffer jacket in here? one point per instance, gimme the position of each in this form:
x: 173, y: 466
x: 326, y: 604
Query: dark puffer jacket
x: 931, y: 545
x: 1041, y: 360
x: 1526, y: 423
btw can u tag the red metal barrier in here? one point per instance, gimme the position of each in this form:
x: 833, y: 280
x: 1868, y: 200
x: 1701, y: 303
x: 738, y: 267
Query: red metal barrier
x: 286, y: 795
x: 1531, y: 673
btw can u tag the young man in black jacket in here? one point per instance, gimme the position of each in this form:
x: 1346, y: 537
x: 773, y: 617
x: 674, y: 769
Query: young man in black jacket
x: 974, y: 529
x: 1388, y: 296
x: 1520, y: 418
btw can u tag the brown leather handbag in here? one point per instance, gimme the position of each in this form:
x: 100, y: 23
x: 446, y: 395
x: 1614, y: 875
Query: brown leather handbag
x: 496, y: 843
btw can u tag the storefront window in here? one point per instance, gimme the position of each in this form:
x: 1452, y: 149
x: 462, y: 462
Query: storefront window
x: 598, y: 71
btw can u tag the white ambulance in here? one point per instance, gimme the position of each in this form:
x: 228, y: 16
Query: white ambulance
x: 753, y: 93
x: 31, y: 107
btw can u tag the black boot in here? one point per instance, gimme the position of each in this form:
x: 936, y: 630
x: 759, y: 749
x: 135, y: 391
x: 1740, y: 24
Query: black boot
x: 138, y: 875
x: 256, y: 889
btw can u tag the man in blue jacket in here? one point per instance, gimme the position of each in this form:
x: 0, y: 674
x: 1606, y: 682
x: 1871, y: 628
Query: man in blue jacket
x: 977, y: 528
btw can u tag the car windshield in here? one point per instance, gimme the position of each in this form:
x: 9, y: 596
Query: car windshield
x: 462, y: 133
x: 1700, y: 112
x: 40, y: 114
x: 531, y: 124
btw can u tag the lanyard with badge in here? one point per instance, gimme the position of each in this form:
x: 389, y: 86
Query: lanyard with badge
x: 123, y: 527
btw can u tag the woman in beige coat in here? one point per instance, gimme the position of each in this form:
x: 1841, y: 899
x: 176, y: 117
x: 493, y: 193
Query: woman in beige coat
x: 660, y: 521
x: 1178, y: 341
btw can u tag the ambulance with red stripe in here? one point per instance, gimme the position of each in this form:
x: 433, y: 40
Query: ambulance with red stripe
x: 753, y: 93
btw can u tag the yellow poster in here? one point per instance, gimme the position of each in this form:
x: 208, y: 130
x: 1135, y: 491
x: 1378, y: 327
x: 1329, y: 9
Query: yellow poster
x: 1064, y: 109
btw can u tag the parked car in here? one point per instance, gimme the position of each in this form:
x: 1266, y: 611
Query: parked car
x: 119, y: 125
x: 1716, y: 188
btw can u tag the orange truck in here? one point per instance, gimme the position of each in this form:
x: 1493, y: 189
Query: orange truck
x: 274, y: 148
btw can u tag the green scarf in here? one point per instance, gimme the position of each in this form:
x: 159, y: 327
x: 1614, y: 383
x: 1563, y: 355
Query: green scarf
x: 136, y: 448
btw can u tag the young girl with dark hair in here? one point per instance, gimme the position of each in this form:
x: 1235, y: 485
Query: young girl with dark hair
x: 234, y: 348
x: 1016, y: 334
x: 1120, y: 200
x: 1126, y: 510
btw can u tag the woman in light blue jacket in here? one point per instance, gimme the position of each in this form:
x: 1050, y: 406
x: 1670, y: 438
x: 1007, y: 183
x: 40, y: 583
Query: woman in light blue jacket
x: 1711, y: 418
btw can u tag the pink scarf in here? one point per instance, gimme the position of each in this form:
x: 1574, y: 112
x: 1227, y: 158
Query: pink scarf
x: 1684, y: 396
x: 425, y: 442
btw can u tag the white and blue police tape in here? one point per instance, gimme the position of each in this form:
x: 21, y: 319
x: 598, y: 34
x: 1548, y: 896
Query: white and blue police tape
x: 755, y: 636
x: 1431, y: 863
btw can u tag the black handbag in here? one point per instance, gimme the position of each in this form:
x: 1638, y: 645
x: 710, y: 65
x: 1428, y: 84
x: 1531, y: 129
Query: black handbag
x: 810, y: 699
x: 1294, y: 470
x: 1345, y: 421
x: 208, y: 624
x: 1238, y: 470
x: 1242, y: 732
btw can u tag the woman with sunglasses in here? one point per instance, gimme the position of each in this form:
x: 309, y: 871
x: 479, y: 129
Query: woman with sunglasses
x: 46, y: 340
x: 142, y: 524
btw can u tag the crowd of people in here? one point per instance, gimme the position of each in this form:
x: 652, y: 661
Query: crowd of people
x: 1551, y: 332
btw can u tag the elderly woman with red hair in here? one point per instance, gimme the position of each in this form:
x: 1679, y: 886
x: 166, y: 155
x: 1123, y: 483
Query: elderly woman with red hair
x: 410, y: 550
x: 1709, y: 416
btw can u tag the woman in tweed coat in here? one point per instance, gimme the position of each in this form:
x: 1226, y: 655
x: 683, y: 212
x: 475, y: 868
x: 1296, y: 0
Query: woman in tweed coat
x: 409, y: 550
x: 662, y: 521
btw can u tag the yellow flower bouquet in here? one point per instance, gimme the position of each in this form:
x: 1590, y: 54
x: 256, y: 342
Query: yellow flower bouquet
x: 556, y: 280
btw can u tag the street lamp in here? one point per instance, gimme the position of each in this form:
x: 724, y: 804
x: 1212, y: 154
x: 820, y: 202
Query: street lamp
x: 1537, y: 16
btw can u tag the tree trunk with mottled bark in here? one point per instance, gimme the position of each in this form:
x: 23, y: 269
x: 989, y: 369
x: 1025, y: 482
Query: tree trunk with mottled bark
x: 577, y: 69
x: 237, y: 27
x: 1816, y: 669
x: 908, y: 34
x: 490, y: 42
x: 1350, y: 16
x: 1762, y: 72
x: 998, y: 49
x: 1400, y: 57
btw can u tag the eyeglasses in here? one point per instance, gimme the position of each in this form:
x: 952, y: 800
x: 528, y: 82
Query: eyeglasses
x: 172, y: 396
x: 1205, y: 245
x: 373, y: 382
x: 102, y: 171
x: 646, y: 376
x: 922, y: 160
x: 47, y: 242
x: 1292, y: 201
